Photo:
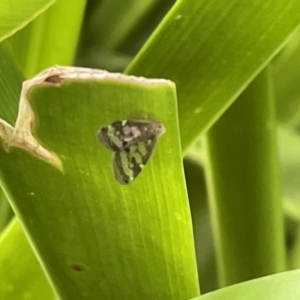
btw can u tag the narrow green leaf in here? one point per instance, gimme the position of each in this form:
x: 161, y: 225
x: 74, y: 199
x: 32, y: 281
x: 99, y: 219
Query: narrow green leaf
x: 243, y: 185
x: 212, y: 49
x: 16, y: 14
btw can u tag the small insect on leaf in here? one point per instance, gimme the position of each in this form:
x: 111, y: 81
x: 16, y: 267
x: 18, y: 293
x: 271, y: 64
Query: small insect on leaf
x: 133, y: 143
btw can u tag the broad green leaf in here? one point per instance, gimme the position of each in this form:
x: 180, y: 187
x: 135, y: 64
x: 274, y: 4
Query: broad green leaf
x: 281, y: 286
x: 16, y: 14
x: 16, y: 260
x: 104, y: 238
x: 212, y: 49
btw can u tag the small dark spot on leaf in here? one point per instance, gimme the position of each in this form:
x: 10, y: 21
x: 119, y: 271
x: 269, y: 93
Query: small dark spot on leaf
x: 77, y: 267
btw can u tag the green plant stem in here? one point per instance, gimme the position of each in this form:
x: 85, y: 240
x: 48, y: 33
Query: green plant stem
x: 244, y: 187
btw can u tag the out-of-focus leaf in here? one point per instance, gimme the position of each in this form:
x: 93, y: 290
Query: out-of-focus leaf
x: 16, y: 14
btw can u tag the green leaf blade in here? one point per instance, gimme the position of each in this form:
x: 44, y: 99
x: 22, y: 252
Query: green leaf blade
x: 104, y: 233
x: 15, y: 15
x: 212, y: 50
